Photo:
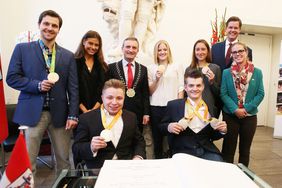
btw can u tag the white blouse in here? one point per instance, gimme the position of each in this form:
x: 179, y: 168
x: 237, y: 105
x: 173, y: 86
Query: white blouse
x: 169, y: 85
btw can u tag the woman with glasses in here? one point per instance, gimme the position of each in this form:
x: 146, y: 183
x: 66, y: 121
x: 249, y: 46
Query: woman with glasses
x: 201, y: 59
x: 241, y: 93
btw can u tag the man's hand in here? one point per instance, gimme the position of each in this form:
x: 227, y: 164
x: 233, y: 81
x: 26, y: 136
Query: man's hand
x: 146, y: 119
x: 221, y: 126
x: 97, y: 143
x: 46, y: 85
x: 175, y: 128
x: 71, y: 124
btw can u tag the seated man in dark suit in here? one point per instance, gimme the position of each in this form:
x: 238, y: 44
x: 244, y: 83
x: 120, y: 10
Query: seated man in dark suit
x: 189, y: 123
x: 108, y: 132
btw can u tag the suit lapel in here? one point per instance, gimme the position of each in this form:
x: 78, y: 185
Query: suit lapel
x: 58, y: 56
x: 136, y: 72
x: 38, y: 51
x: 125, y: 129
x: 181, y: 109
x: 121, y: 70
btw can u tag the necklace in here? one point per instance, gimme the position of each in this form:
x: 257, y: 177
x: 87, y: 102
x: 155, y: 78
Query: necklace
x: 130, y: 92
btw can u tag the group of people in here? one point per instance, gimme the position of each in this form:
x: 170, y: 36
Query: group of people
x: 108, y: 106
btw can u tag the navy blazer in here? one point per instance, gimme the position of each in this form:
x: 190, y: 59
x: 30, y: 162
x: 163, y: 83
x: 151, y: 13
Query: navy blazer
x: 131, y: 142
x: 218, y: 55
x: 139, y: 104
x: 27, y: 68
x: 187, y: 141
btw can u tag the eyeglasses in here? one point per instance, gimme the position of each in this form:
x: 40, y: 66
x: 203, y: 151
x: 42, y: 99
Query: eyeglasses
x: 240, y: 52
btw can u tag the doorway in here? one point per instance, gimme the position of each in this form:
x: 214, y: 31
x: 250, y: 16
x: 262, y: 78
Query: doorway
x: 261, y: 46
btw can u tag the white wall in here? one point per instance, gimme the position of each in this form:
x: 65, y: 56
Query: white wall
x: 184, y: 22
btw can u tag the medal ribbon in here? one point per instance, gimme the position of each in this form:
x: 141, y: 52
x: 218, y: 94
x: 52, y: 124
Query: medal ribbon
x: 195, y: 112
x: 114, y: 120
x: 50, y: 65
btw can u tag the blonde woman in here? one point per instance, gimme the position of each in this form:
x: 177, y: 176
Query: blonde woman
x: 166, y: 83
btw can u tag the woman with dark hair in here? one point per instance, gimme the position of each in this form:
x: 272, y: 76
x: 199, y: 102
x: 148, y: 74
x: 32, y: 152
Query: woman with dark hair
x: 201, y: 59
x: 92, y: 71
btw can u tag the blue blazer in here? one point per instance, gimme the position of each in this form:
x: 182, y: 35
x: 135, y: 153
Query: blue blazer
x: 27, y: 68
x: 188, y: 141
x: 218, y: 55
x: 254, y: 96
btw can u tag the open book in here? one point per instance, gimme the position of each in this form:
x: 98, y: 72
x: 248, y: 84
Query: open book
x: 181, y: 171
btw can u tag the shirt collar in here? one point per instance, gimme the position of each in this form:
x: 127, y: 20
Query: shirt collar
x: 44, y: 47
x: 124, y: 63
x: 227, y: 42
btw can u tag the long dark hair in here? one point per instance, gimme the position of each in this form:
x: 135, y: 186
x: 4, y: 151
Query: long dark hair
x: 80, y: 52
x: 194, y: 61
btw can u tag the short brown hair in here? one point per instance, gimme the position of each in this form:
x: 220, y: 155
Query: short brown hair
x: 193, y: 73
x: 52, y: 14
x: 114, y: 83
x: 234, y: 19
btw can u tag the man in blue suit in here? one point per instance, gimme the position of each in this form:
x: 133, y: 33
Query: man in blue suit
x: 220, y: 51
x: 46, y: 76
x: 188, y: 122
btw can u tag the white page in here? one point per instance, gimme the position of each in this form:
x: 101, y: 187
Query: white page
x: 138, y: 174
x: 200, y: 173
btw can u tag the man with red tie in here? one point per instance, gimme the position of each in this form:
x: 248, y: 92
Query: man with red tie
x: 221, y: 51
x: 134, y: 76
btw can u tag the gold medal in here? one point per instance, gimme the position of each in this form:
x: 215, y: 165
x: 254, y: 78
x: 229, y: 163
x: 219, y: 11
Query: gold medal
x: 106, y: 134
x: 130, y: 92
x: 53, y: 77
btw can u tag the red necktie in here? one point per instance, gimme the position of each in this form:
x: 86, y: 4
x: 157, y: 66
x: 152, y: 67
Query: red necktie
x: 228, y: 54
x: 129, y: 75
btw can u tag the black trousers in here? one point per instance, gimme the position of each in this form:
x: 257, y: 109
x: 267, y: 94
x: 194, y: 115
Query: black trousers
x: 244, y: 128
x: 157, y: 113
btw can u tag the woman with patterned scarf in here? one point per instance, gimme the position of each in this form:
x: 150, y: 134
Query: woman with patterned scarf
x: 241, y: 92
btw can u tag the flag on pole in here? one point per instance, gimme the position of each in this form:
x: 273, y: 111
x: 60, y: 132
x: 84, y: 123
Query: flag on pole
x: 3, y: 115
x: 18, y: 172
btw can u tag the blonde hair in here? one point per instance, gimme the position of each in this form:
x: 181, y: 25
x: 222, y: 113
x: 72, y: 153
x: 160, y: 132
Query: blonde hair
x: 156, y: 48
x: 114, y: 83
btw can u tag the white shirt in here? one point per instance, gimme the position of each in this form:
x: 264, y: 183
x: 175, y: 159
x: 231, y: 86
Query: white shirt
x: 125, y: 68
x: 169, y: 85
x: 196, y: 124
x: 116, y: 130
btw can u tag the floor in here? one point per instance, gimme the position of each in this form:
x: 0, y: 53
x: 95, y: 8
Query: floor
x: 266, y: 160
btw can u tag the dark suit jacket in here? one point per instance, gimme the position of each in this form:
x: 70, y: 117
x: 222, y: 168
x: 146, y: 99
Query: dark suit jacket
x: 218, y: 55
x: 131, y: 142
x: 187, y: 141
x: 139, y: 104
x: 27, y: 68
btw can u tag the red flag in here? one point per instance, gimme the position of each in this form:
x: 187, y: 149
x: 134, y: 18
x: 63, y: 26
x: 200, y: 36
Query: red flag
x: 18, y: 172
x: 3, y: 115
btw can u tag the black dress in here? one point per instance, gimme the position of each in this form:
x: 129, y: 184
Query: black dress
x: 90, y: 83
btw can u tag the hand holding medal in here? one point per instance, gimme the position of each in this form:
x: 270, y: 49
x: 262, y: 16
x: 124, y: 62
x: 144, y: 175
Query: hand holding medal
x: 184, y: 123
x: 106, y: 134
x: 208, y: 73
x: 53, y: 77
x: 213, y: 122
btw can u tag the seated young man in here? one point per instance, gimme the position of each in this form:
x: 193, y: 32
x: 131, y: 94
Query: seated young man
x: 109, y: 132
x: 189, y: 123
